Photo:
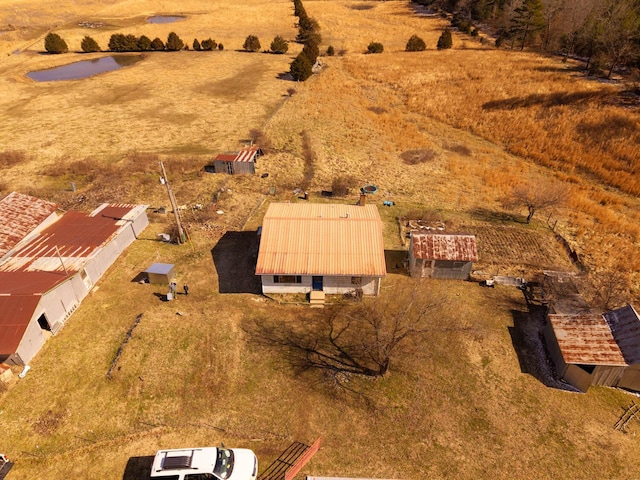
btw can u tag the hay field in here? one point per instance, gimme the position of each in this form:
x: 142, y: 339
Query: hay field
x: 456, y: 404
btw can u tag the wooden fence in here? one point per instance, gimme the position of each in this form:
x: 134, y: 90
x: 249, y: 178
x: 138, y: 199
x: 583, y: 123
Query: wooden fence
x: 302, y: 460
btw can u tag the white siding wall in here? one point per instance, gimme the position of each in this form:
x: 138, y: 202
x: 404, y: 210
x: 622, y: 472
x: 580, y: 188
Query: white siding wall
x: 330, y: 285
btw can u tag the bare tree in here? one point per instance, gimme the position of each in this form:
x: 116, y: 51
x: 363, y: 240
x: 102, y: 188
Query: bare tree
x: 535, y: 196
x: 361, y: 339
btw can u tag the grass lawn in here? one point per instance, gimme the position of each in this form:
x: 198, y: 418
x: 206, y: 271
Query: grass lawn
x: 456, y: 403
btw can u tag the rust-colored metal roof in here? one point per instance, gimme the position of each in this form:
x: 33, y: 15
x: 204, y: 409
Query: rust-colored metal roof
x: 321, y: 239
x: 625, y: 327
x: 437, y: 246
x: 247, y: 154
x: 586, y: 339
x: 54, y: 254
x: 17, y: 311
x: 19, y: 215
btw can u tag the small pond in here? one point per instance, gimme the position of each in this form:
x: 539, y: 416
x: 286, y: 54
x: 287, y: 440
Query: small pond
x: 84, y: 69
x: 164, y: 19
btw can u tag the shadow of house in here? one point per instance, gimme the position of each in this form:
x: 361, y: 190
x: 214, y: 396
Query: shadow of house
x: 234, y: 258
x: 138, y: 468
x: 396, y: 261
x: 528, y: 342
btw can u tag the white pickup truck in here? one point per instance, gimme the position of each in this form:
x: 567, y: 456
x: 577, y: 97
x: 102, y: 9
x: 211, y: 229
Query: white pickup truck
x: 5, y: 466
x: 206, y: 463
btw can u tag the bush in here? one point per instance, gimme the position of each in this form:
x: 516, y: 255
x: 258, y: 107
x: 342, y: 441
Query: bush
x: 445, y: 41
x: 144, y: 43
x: 341, y: 185
x: 196, y: 45
x: 301, y: 68
x: 220, y: 47
x: 416, y: 44
x: 123, y: 43
x: 89, y: 45
x: 475, y: 32
x: 375, y: 47
x: 157, y: 44
x: 279, y: 45
x: 330, y: 51
x: 252, y: 44
x: 53, y: 43
x: 174, y: 43
x: 209, y: 44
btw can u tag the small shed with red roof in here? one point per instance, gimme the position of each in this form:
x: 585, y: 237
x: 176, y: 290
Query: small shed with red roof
x: 438, y: 255
x: 242, y: 162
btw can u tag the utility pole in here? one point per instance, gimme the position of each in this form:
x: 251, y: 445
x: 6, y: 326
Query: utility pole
x: 174, y: 206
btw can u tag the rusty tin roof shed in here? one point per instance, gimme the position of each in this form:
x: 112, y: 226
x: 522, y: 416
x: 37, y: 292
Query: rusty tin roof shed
x: 321, y: 239
x: 452, y: 247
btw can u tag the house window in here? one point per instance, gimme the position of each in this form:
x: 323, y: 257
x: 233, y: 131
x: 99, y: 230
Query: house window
x: 287, y: 279
x: 356, y: 280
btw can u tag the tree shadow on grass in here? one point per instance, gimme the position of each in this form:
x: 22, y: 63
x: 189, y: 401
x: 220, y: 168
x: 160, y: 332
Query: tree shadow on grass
x: 234, y: 257
x: 493, y: 216
x: 138, y: 468
x: 547, y: 100
x: 530, y: 347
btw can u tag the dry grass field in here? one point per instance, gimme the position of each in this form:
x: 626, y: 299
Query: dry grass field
x: 460, y: 401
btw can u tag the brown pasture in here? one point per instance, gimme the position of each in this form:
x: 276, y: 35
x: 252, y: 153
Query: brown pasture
x: 456, y: 403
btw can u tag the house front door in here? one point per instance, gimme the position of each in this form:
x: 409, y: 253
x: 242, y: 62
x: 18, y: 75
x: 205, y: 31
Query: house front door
x: 316, y: 283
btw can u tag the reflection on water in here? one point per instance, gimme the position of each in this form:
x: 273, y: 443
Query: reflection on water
x: 164, y: 19
x: 84, y: 69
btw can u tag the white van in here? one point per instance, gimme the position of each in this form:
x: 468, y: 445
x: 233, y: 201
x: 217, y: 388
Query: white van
x: 207, y: 463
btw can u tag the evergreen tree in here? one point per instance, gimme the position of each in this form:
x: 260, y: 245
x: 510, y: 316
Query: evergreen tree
x: 311, y: 51
x: 144, y: 43
x: 209, y: 44
x: 527, y: 20
x: 53, y: 43
x: 174, y: 43
x: 89, y: 45
x: 196, y: 45
x: 331, y: 51
x: 301, y: 68
x: 220, y: 47
x: 117, y: 42
x: 416, y: 44
x: 279, y: 45
x: 445, y: 41
x: 251, y: 44
x: 131, y: 43
x: 157, y: 45
x: 375, y: 47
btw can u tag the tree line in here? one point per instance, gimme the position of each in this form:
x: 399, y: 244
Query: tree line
x: 603, y: 33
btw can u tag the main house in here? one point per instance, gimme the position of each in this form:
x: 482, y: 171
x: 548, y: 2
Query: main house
x: 49, y: 264
x: 329, y: 248
x: 596, y: 349
x: 439, y: 255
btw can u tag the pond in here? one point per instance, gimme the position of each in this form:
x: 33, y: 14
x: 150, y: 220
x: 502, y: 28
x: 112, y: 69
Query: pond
x: 84, y: 69
x: 164, y: 19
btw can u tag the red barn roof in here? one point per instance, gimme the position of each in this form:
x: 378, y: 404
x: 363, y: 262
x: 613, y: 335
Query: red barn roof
x: 247, y: 154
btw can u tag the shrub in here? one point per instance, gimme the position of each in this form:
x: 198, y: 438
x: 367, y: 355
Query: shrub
x: 416, y: 44
x: 475, y: 32
x: 301, y: 68
x: 174, y: 43
x: 445, y: 41
x: 157, y: 44
x: 53, y: 43
x: 144, y: 43
x: 123, y: 43
x: 330, y: 51
x: 196, y: 45
x: 220, y: 47
x: 375, y: 47
x: 279, y: 45
x: 209, y: 44
x: 341, y: 185
x: 252, y: 44
x: 311, y: 51
x: 89, y: 45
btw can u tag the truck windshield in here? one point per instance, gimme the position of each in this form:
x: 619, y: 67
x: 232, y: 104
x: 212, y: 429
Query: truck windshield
x: 224, y: 463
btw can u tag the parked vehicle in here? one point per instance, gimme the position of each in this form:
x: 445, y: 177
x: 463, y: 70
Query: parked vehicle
x: 207, y: 463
